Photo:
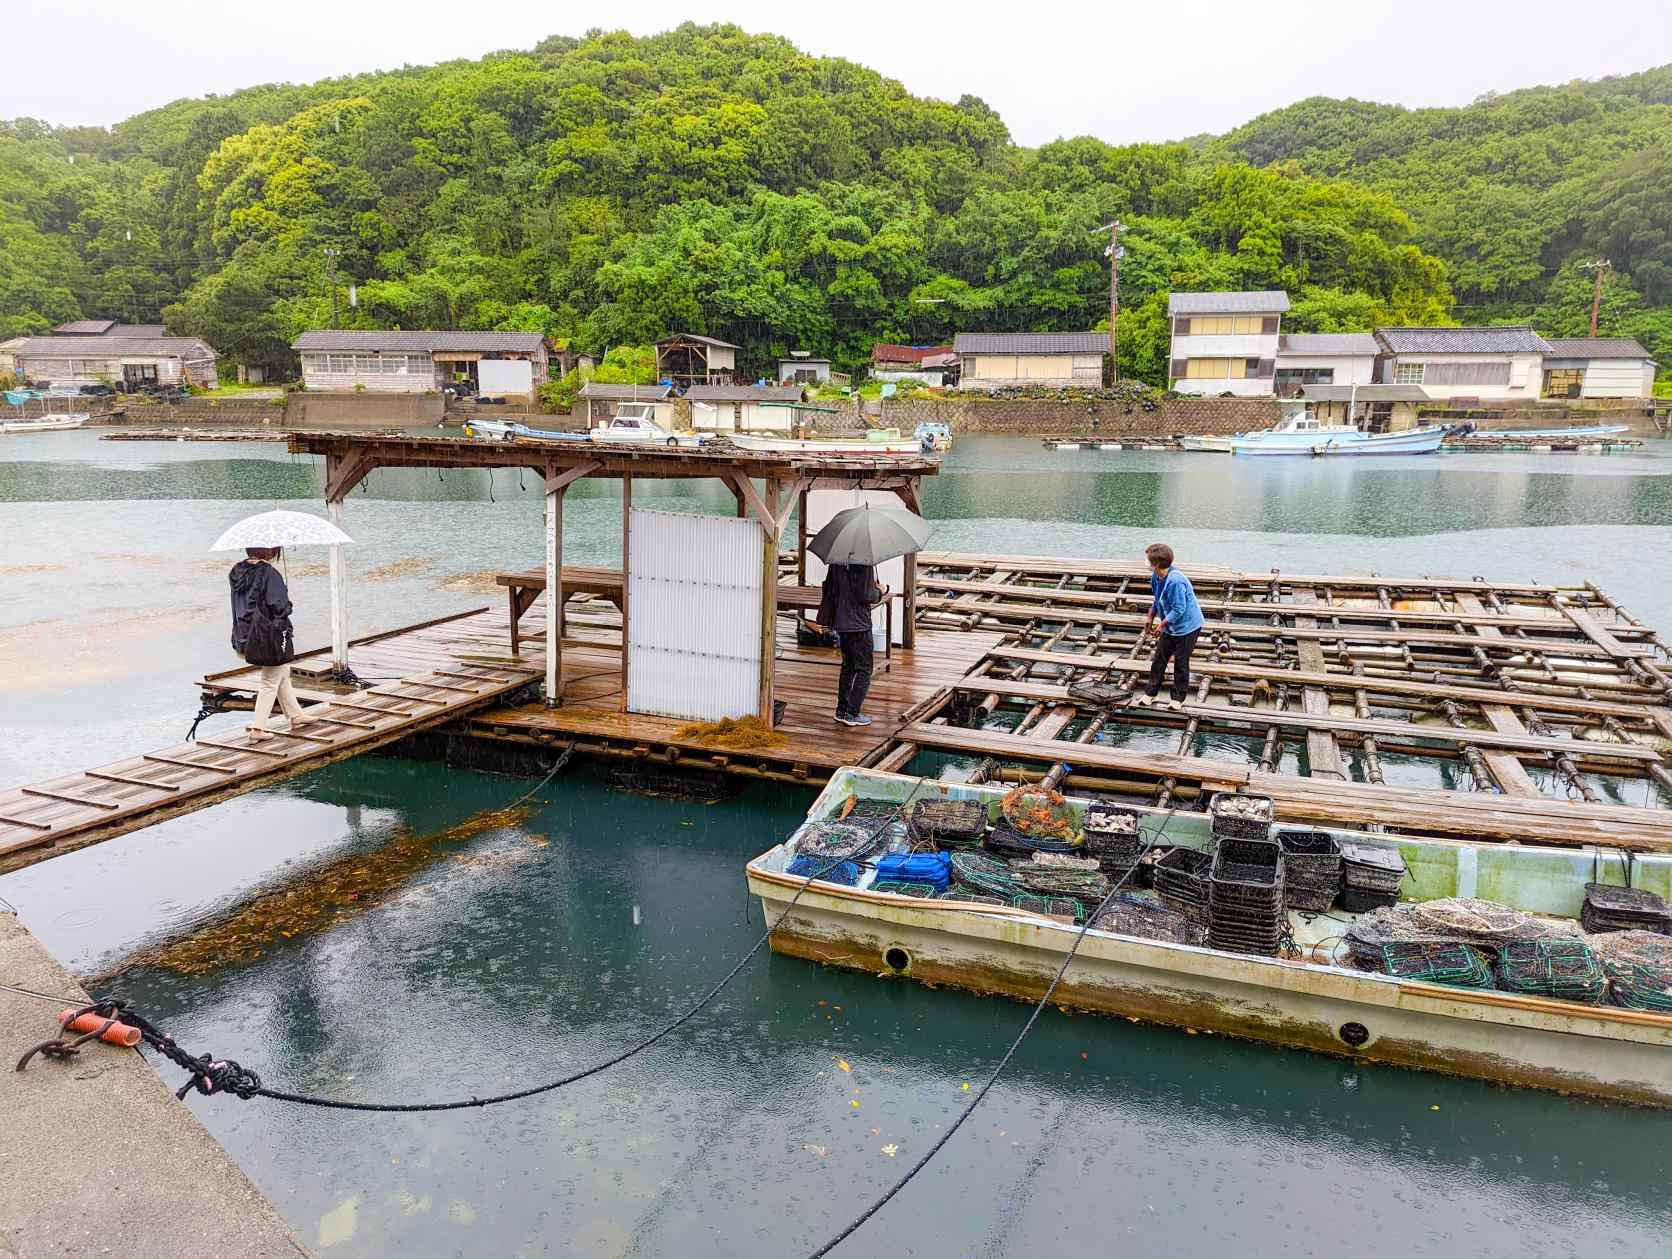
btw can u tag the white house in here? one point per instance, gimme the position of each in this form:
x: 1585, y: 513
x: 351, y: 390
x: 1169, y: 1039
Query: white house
x: 801, y: 368
x: 1597, y: 367
x: 744, y: 408
x: 1225, y: 342
x: 128, y: 357
x: 600, y: 401
x: 1324, y: 358
x: 508, y: 365
x: 1465, y: 364
x: 997, y: 360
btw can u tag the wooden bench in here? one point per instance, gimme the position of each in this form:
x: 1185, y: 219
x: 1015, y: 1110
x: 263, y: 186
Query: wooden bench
x: 608, y: 584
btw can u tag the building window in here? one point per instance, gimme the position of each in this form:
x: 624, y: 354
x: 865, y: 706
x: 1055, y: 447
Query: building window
x: 1408, y: 373
x: 1221, y: 368
x: 368, y: 364
x: 1306, y: 375
x: 1226, y: 325
x: 1564, y: 382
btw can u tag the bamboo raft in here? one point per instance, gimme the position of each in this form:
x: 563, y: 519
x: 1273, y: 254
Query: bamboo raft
x: 1433, y: 705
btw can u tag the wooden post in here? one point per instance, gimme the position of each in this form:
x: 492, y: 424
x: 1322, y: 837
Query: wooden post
x: 339, y: 593
x: 770, y: 519
x: 913, y: 500
x: 554, y: 597
x: 626, y: 577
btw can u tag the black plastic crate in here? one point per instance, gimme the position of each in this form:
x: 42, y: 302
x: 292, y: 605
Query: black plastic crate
x: 949, y: 823
x: 1371, y: 867
x: 1235, y: 825
x: 1362, y: 900
x: 1611, y: 908
x: 1183, y: 871
x: 1312, y: 868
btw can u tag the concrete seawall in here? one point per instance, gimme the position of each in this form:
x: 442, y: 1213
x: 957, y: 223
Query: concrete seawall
x: 96, y: 1155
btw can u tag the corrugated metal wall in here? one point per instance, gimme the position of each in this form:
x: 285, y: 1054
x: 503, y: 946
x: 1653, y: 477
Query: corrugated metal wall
x: 693, y: 615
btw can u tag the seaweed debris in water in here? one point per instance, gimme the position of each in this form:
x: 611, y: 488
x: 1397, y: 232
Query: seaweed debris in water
x: 337, y: 892
x: 736, y: 733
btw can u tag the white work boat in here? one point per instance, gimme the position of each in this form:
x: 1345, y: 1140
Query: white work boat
x: 1311, y: 1001
x: 1219, y: 445
x: 1302, y: 434
x: 883, y: 441
x: 48, y: 421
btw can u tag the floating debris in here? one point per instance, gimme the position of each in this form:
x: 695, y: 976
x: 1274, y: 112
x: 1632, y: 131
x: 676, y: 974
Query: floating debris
x: 736, y: 733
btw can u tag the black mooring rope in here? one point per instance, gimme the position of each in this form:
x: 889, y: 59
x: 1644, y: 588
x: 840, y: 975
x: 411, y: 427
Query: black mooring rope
x: 210, y: 1075
x: 993, y: 1079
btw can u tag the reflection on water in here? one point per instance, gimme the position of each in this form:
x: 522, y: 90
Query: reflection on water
x: 737, y: 1135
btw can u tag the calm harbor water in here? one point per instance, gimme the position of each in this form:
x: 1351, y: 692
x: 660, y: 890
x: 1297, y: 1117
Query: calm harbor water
x: 520, y: 952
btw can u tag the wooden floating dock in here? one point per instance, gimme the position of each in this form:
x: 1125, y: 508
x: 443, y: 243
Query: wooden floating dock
x: 73, y: 810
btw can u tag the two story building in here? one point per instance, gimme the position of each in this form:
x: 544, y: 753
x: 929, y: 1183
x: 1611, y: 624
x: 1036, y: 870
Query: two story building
x: 1053, y: 360
x: 1458, y: 365
x: 1225, y: 342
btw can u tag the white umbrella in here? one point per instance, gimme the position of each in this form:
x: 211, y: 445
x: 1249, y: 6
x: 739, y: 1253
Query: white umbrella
x: 280, y: 528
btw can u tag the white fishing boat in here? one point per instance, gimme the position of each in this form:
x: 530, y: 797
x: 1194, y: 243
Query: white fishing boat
x: 48, y: 421
x: 876, y: 441
x: 1215, y: 445
x: 1301, y: 434
x: 1517, y: 434
x: 494, y: 430
x: 1310, y: 999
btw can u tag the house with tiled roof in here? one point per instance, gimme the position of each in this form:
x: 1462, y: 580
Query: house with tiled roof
x: 998, y: 360
x: 509, y: 365
x: 1597, y: 367
x: 129, y: 357
x: 1465, y: 364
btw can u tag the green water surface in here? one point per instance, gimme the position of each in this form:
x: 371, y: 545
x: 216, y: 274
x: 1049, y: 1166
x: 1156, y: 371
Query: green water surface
x: 737, y: 1134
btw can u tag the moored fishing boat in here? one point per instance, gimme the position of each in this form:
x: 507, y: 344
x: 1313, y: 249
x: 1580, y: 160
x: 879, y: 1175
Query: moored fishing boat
x: 1307, y: 998
x: 46, y: 422
x: 1302, y: 434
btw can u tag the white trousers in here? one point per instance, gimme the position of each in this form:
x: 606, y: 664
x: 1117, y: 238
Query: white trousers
x: 275, y: 684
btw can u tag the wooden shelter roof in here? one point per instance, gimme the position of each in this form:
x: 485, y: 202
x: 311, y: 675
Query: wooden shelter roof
x: 362, y: 452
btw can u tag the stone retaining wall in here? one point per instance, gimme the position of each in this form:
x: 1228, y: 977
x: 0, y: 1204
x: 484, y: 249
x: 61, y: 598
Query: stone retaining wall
x: 1043, y: 417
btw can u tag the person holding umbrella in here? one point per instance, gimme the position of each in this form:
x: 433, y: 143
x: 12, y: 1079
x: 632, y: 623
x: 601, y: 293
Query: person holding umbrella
x: 853, y: 544
x: 261, y: 630
x: 262, y: 635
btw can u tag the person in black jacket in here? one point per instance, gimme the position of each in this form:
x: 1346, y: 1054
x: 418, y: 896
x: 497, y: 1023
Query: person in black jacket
x: 850, y: 592
x: 256, y: 584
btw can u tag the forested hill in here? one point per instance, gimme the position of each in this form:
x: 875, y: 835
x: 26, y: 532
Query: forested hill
x: 612, y: 189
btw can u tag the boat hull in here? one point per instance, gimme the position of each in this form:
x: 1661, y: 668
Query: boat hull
x: 46, y: 424
x: 828, y: 445
x: 1425, y: 441
x: 1212, y: 445
x: 1610, y: 1053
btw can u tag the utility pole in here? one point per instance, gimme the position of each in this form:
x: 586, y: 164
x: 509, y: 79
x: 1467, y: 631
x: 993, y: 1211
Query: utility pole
x: 1113, y: 253
x: 1599, y: 266
x: 331, y: 279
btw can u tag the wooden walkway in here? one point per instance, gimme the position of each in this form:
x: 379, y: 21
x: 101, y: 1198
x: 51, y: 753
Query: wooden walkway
x: 73, y: 810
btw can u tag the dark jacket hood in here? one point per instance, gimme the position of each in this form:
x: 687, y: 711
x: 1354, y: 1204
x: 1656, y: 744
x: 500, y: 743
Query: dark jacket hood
x: 245, y: 575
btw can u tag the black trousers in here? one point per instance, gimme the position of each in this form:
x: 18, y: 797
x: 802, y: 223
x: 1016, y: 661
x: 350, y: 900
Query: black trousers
x: 855, y: 679
x: 1177, y: 648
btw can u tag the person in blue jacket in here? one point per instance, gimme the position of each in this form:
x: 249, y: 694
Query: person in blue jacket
x: 1176, y: 616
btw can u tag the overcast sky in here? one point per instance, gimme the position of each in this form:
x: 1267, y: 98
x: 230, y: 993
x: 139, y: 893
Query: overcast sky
x: 1114, y: 69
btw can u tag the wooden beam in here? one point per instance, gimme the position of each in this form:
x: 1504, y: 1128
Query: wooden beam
x: 1323, y: 754
x: 767, y: 515
x: 559, y: 479
x: 343, y: 471
x: 1506, y: 769
x: 626, y: 581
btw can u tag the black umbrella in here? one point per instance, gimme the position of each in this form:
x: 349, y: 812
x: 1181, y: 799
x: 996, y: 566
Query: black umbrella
x: 870, y: 535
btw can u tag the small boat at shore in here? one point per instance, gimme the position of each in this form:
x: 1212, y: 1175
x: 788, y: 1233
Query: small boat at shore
x: 1522, y: 434
x: 1212, y: 445
x: 1310, y: 996
x: 877, y: 441
x: 48, y: 421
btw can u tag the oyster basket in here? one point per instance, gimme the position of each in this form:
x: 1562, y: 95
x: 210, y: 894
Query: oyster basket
x: 1371, y: 867
x: 958, y: 892
x: 1241, y: 816
x: 1267, y: 944
x: 918, y: 891
x: 1142, y: 917
x: 1359, y: 901
x: 1611, y: 908
x: 1311, y: 868
x: 1060, y: 906
x: 1247, y: 874
x: 985, y: 875
x: 1181, y: 881
x: 1437, y: 962
x: 947, y: 823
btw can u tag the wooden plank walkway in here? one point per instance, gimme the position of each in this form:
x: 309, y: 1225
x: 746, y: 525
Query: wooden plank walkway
x: 73, y: 810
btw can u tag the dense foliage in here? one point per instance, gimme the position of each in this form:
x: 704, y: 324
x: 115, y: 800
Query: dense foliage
x: 611, y: 189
